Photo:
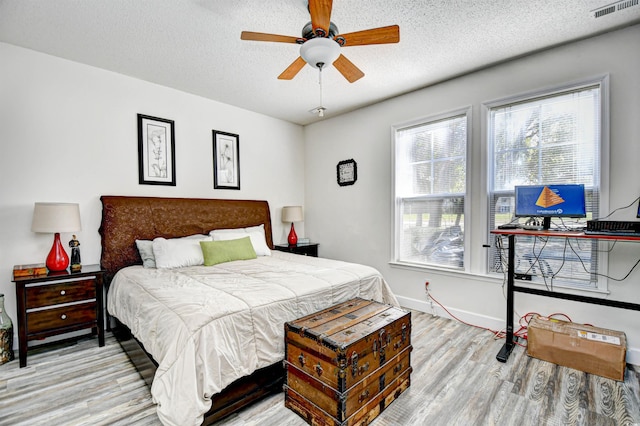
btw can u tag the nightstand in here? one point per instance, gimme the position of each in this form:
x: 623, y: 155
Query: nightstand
x: 57, y: 303
x: 310, y: 249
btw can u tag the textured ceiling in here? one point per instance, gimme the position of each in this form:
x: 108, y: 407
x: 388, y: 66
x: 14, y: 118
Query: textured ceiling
x: 195, y: 46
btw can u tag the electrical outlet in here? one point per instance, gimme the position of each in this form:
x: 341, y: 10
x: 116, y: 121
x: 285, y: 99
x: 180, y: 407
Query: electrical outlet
x: 429, y: 298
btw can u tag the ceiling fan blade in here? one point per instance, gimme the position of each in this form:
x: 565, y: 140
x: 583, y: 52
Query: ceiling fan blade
x: 292, y: 69
x: 320, y: 11
x: 250, y: 35
x: 348, y: 69
x: 382, y: 35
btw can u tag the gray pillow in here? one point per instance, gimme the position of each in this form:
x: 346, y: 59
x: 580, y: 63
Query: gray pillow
x: 145, y: 248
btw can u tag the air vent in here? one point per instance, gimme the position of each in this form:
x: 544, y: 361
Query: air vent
x: 614, y: 7
x: 604, y: 11
x: 626, y: 4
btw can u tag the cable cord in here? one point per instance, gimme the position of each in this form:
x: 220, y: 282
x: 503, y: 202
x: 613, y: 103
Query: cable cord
x: 603, y: 275
x: 494, y: 332
x: 523, y: 322
x: 532, y: 261
x: 620, y: 208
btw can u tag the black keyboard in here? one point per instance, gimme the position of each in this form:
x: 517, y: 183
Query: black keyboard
x: 612, y: 228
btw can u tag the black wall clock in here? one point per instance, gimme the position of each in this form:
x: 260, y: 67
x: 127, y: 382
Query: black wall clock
x: 347, y: 172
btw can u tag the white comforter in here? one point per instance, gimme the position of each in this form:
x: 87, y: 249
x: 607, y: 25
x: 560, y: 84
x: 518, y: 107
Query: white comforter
x: 207, y: 326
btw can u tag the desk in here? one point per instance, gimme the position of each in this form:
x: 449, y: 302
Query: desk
x: 504, y: 353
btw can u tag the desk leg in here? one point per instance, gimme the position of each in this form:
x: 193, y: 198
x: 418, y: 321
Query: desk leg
x: 504, y: 353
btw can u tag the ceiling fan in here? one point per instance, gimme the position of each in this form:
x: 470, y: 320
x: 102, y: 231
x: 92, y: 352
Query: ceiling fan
x: 321, y: 42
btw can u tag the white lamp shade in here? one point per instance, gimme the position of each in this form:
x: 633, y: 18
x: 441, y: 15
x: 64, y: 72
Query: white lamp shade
x: 292, y: 214
x: 56, y: 217
x: 320, y: 50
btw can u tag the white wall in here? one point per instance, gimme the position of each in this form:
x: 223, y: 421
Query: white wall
x: 68, y: 132
x: 354, y: 223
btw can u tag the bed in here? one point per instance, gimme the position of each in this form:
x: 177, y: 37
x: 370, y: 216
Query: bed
x: 213, y: 334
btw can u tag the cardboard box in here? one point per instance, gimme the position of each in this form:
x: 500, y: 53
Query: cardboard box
x: 590, y: 349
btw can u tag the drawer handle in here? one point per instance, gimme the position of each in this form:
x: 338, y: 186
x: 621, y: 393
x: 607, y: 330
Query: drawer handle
x: 397, y: 368
x: 319, y: 369
x: 302, y: 360
x: 364, y: 396
x: 62, y: 292
x: 63, y: 316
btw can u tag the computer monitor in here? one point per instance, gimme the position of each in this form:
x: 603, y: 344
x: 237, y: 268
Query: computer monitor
x: 547, y: 201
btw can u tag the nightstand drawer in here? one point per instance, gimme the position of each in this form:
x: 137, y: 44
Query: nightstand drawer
x: 64, y: 316
x: 55, y: 294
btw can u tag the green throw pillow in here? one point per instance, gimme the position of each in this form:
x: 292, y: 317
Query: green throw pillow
x: 215, y: 252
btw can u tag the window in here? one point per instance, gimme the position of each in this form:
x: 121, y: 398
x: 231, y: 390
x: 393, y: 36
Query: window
x: 430, y: 190
x: 552, y: 138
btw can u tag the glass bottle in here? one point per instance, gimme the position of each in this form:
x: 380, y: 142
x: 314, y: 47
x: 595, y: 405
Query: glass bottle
x: 6, y: 334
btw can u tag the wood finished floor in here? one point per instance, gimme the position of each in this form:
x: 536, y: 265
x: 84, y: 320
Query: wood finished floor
x: 456, y: 381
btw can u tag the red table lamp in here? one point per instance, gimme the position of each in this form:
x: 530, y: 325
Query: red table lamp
x: 56, y: 218
x: 292, y: 214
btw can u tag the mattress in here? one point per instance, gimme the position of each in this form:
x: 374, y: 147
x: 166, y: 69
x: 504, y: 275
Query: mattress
x: 207, y: 326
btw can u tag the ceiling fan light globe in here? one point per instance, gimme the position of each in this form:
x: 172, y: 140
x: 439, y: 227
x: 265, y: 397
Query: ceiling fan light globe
x: 320, y: 51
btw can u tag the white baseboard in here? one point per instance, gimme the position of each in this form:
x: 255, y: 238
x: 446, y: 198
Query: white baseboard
x: 633, y: 354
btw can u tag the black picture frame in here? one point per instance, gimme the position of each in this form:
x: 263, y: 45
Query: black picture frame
x: 347, y: 172
x: 156, y: 151
x: 226, y: 160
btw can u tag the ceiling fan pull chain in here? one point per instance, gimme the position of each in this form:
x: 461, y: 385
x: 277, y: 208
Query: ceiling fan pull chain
x: 319, y: 110
x: 320, y: 82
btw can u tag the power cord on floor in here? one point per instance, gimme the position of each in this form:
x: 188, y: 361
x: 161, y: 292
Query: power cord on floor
x: 523, y: 321
x: 433, y: 299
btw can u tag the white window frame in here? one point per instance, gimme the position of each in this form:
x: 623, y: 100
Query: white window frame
x: 603, y: 83
x: 396, y: 222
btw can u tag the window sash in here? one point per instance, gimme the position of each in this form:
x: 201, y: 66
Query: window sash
x: 555, y: 138
x: 430, y: 158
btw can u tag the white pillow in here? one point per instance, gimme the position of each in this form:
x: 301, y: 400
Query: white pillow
x: 255, y: 233
x: 259, y: 228
x: 179, y: 252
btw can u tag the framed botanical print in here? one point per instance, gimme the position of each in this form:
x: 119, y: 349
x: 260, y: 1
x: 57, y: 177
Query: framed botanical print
x: 347, y: 172
x: 226, y: 160
x: 156, y: 151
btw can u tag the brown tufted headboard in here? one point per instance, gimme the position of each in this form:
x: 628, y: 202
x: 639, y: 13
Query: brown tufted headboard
x: 126, y: 219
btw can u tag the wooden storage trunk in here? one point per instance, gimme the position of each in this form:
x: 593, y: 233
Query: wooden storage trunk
x: 346, y: 364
